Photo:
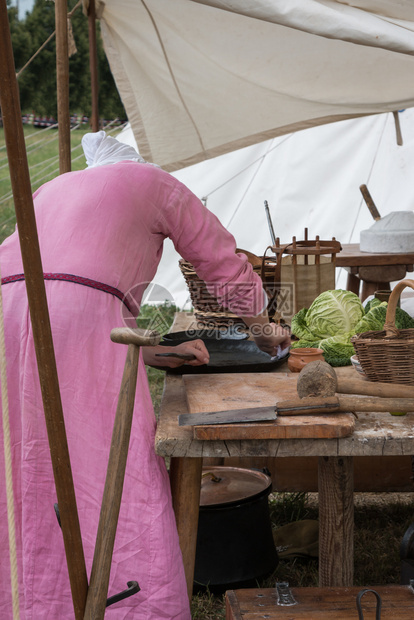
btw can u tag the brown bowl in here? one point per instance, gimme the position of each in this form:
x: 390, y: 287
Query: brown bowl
x: 298, y: 358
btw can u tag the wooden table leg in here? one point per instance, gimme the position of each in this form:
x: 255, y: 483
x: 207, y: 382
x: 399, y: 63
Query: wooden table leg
x: 369, y: 288
x: 185, y: 479
x: 336, y: 521
x: 352, y: 283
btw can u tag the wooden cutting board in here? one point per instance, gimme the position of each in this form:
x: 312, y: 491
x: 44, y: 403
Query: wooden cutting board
x: 240, y: 391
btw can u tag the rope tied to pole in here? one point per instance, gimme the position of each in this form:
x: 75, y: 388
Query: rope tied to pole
x: 8, y: 469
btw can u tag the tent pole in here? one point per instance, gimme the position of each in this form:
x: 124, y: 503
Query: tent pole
x: 39, y: 314
x: 62, y: 84
x: 93, y: 64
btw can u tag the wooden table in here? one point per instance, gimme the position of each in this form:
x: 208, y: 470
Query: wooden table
x: 375, y: 271
x: 375, y: 434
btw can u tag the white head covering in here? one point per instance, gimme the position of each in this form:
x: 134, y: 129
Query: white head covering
x: 101, y: 150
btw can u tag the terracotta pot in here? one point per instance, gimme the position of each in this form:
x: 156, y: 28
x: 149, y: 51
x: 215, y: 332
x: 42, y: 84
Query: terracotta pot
x: 298, y: 358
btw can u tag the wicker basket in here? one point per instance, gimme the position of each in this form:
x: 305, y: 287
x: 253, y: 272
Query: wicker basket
x: 388, y: 355
x: 208, y: 312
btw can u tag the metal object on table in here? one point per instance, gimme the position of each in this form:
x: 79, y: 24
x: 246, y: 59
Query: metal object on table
x: 232, y: 332
x: 285, y: 597
x: 228, y: 416
x: 181, y: 356
x: 228, y: 356
x: 359, y: 607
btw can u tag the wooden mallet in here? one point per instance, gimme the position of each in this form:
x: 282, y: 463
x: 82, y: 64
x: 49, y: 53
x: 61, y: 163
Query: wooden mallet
x: 98, y: 585
x: 318, y: 386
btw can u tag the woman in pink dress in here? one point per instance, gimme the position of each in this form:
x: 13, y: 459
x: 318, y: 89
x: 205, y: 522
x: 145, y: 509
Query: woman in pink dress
x: 101, y: 233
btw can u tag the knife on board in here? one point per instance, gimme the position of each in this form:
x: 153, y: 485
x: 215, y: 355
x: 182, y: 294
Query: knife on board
x: 303, y: 406
x: 229, y: 416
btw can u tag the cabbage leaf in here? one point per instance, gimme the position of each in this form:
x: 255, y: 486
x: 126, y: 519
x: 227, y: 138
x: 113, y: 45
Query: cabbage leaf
x: 334, y: 312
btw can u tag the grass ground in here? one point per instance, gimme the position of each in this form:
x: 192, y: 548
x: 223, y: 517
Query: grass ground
x: 42, y: 147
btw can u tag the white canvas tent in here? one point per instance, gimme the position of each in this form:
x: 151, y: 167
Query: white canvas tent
x: 199, y: 78
x: 310, y: 179
x: 216, y: 87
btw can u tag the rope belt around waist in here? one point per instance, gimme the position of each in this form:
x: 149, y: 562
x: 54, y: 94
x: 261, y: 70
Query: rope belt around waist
x: 67, y: 277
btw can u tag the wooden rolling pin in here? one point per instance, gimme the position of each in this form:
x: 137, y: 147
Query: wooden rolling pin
x: 312, y: 405
x: 371, y: 388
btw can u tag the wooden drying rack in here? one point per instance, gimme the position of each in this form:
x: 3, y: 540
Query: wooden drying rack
x: 307, y: 247
x: 300, y: 252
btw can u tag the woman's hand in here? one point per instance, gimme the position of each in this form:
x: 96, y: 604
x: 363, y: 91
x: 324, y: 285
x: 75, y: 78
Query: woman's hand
x: 192, y: 347
x: 271, y: 336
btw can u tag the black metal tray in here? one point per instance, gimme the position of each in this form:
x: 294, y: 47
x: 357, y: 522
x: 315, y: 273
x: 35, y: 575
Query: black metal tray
x: 228, y: 356
x: 228, y: 333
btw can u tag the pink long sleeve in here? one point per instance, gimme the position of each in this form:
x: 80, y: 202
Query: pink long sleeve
x: 201, y: 239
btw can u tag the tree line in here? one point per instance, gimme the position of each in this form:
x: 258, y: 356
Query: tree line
x: 37, y: 82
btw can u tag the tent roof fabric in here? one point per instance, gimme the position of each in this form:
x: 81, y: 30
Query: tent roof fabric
x: 202, y: 78
x: 309, y: 178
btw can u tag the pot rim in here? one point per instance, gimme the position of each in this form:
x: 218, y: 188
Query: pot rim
x: 240, y: 501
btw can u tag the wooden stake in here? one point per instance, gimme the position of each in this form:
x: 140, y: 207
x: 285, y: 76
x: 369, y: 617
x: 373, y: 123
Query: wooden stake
x: 93, y: 64
x: 62, y: 84
x: 39, y: 314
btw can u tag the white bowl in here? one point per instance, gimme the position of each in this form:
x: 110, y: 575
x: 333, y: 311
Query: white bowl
x: 357, y: 365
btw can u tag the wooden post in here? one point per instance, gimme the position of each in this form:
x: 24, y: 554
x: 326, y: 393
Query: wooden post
x: 62, y: 84
x: 93, y: 64
x: 39, y: 314
x: 336, y: 521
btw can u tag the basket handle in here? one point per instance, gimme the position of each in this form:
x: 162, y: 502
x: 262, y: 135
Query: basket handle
x: 278, y: 266
x: 389, y: 325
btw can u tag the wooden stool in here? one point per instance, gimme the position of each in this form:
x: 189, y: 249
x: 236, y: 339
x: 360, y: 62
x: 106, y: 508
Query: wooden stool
x: 374, y: 278
x: 320, y: 604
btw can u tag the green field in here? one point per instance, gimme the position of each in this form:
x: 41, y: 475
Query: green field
x: 42, y: 148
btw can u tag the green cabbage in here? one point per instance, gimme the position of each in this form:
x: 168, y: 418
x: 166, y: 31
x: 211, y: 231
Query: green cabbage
x: 334, y: 317
x: 371, y: 303
x: 328, y: 324
x: 374, y: 318
x: 338, y: 350
x: 334, y: 312
x: 299, y: 326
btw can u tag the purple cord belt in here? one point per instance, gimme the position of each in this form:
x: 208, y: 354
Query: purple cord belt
x: 67, y: 277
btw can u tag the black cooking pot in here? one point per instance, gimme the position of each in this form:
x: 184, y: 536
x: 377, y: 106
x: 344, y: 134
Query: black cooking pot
x: 234, y: 542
